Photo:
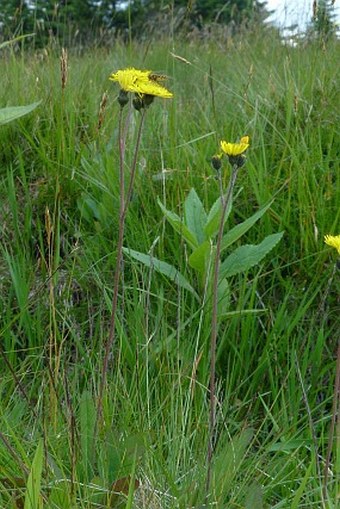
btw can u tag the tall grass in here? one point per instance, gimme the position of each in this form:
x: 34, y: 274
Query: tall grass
x: 59, y: 225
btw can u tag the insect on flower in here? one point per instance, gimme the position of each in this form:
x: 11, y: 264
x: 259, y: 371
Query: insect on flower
x: 158, y: 77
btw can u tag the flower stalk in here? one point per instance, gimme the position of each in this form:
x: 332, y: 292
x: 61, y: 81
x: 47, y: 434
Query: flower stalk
x: 145, y: 88
x: 235, y: 154
x: 123, y: 208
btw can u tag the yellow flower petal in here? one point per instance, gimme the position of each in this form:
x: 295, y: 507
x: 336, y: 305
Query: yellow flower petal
x: 245, y: 139
x: 332, y: 241
x: 140, y: 82
x: 235, y: 149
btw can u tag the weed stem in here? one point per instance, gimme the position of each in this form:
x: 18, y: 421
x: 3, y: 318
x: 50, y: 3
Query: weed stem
x: 225, y: 201
x: 123, y: 208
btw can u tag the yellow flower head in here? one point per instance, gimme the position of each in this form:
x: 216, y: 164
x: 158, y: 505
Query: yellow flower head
x: 141, y: 82
x: 333, y: 241
x: 235, y: 149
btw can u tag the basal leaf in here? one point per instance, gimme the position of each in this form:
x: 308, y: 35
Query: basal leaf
x: 179, y: 225
x: 214, y: 218
x: 199, y: 257
x: 194, y: 215
x: 33, y: 498
x: 240, y: 229
x: 14, y: 112
x: 245, y: 257
x: 163, y: 268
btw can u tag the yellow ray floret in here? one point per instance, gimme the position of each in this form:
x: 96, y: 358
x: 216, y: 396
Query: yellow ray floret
x: 332, y: 241
x: 140, y: 82
x: 235, y: 149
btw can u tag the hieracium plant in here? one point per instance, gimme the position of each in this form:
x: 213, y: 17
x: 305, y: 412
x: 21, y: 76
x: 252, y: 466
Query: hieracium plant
x: 205, y: 235
x: 138, y: 89
x: 200, y: 228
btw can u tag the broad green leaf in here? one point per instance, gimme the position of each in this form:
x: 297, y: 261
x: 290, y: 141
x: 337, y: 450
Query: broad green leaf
x: 87, y: 430
x: 177, y: 223
x: 14, y: 112
x: 199, y: 257
x: 245, y: 257
x: 194, y: 215
x: 163, y: 268
x: 33, y: 498
x: 240, y: 229
x: 214, y: 217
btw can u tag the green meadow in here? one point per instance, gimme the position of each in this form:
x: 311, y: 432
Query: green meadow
x: 74, y: 434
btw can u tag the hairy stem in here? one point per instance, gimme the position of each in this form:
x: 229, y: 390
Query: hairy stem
x: 225, y: 201
x: 123, y: 208
x: 334, y: 422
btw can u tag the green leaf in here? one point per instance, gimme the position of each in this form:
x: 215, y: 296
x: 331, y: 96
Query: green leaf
x: 163, y: 268
x: 214, y: 217
x: 229, y: 461
x: 290, y: 445
x: 60, y: 495
x: 87, y: 428
x: 179, y: 225
x: 16, y: 39
x: 14, y: 112
x: 297, y: 501
x: 194, y: 215
x: 254, y: 498
x: 231, y: 314
x: 245, y: 257
x: 89, y: 208
x: 33, y: 499
x: 223, y: 296
x: 240, y: 229
x: 199, y: 257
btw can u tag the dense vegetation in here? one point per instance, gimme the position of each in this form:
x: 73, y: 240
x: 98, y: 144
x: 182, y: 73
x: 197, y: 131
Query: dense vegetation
x: 59, y: 223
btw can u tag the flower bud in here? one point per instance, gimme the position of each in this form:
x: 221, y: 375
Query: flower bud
x: 138, y: 102
x: 216, y: 162
x: 238, y: 160
x: 123, y: 98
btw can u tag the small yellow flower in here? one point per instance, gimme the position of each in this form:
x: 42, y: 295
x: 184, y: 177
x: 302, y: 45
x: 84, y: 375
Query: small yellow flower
x: 235, y: 149
x: 140, y: 82
x: 332, y: 241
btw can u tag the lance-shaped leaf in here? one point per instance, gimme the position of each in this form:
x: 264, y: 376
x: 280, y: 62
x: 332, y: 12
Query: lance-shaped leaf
x: 245, y: 257
x: 223, y: 297
x: 214, y: 217
x: 33, y: 499
x: 194, y: 215
x: 16, y: 39
x: 87, y: 412
x: 163, y: 268
x: 179, y: 225
x: 240, y: 229
x: 200, y: 256
x: 14, y: 112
